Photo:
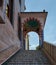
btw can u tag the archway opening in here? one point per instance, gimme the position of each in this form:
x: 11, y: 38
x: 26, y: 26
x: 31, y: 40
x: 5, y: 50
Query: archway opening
x: 31, y: 41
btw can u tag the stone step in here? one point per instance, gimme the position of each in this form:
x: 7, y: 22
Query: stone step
x: 24, y: 57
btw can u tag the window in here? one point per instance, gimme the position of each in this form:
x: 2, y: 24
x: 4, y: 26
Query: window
x: 1, y: 3
x: 11, y: 10
x: 7, y: 10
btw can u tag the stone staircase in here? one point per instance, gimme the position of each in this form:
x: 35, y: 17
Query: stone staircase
x: 30, y: 57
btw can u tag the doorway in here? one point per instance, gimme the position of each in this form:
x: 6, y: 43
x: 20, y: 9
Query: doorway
x: 31, y: 41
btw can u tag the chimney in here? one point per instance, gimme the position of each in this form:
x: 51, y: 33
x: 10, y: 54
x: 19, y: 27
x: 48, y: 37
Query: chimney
x: 44, y: 10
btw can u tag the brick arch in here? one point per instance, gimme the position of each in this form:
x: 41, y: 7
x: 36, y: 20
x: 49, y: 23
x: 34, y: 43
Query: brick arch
x: 28, y: 29
x: 40, y: 17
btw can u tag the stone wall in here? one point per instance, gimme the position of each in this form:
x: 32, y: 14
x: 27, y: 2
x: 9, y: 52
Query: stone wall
x: 17, y: 8
x: 50, y: 51
x: 9, y: 42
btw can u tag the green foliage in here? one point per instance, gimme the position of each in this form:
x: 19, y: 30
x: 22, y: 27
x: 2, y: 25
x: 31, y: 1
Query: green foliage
x: 32, y: 24
x: 38, y: 47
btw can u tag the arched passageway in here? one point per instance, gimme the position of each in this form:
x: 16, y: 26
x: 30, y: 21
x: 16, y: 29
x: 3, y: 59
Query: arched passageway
x: 31, y: 41
x: 34, y: 21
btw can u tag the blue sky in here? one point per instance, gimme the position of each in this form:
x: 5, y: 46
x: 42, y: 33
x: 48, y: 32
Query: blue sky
x: 50, y: 26
x: 33, y: 40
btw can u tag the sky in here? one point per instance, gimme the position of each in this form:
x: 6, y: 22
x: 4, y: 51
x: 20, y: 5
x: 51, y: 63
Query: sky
x: 50, y: 26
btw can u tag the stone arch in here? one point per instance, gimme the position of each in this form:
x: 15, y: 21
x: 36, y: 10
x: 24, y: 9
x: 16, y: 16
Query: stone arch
x: 31, y: 24
x: 37, y: 17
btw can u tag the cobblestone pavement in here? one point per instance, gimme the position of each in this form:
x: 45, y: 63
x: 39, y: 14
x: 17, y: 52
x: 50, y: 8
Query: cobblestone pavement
x: 30, y: 57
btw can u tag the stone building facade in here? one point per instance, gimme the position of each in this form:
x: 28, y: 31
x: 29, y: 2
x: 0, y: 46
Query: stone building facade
x: 9, y: 41
x: 12, y: 8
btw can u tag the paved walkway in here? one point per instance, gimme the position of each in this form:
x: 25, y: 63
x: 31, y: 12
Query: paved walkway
x: 24, y: 57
